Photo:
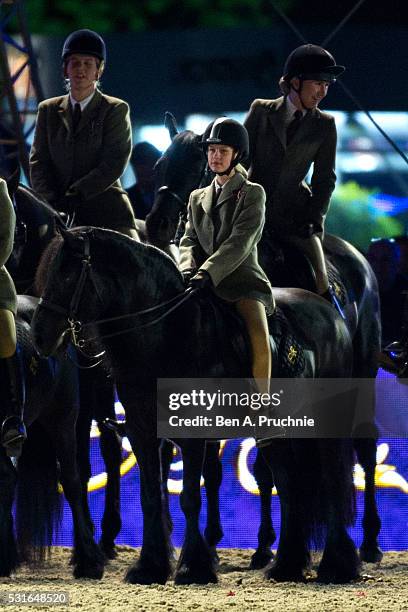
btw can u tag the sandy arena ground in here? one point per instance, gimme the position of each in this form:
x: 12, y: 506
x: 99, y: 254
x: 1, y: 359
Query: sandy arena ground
x: 381, y: 588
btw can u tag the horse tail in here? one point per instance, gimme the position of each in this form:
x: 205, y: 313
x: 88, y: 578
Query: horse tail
x: 325, y: 487
x: 38, y: 502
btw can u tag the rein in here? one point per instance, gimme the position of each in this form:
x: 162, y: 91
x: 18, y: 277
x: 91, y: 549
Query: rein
x: 173, y: 194
x: 179, y: 299
x: 165, y: 189
x: 76, y: 327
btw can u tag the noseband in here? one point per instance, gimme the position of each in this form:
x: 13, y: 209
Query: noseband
x: 70, y: 313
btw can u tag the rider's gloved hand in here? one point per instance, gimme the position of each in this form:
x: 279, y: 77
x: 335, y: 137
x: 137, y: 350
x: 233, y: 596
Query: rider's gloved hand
x: 201, y: 280
x: 306, y: 230
x: 67, y: 204
x: 187, y: 274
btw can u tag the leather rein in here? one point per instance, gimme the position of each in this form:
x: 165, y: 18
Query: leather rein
x: 76, y: 327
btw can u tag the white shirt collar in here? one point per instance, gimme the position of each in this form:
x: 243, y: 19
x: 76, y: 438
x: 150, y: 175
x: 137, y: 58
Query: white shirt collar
x: 83, y: 103
x: 291, y: 108
x: 218, y: 186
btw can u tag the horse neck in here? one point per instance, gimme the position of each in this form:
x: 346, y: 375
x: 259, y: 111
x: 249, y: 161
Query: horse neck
x: 133, y: 277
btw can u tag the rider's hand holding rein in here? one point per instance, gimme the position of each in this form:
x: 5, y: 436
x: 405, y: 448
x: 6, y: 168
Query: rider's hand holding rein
x: 13, y: 431
x: 83, y: 141
x: 201, y: 280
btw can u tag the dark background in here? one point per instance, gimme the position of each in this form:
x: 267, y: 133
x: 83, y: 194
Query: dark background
x: 214, y: 70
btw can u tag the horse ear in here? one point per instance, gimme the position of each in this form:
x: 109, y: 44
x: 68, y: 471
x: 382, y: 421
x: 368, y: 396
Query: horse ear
x: 171, y: 124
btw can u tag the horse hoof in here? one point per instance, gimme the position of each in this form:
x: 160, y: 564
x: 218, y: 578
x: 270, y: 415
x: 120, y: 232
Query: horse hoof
x: 283, y: 573
x: 143, y: 575
x: 260, y: 559
x: 337, y: 577
x: 215, y: 559
x: 186, y: 575
x: 109, y: 550
x: 371, y: 554
x: 93, y: 572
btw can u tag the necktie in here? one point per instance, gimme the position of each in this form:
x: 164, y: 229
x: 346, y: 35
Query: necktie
x: 293, y: 126
x: 76, y: 116
x: 217, y: 194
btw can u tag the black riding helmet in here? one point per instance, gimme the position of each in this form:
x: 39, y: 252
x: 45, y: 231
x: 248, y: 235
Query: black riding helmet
x: 228, y: 132
x: 85, y: 42
x: 311, y: 62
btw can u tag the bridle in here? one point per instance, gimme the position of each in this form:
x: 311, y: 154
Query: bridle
x: 166, y: 190
x: 182, y: 202
x: 75, y: 326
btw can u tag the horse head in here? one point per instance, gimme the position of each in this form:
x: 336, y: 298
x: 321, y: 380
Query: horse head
x: 180, y: 170
x: 70, y: 294
x: 90, y: 274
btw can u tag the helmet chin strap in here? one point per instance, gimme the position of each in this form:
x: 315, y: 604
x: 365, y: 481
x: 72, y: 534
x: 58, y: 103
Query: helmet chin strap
x: 232, y: 165
x: 299, y: 94
x: 226, y: 172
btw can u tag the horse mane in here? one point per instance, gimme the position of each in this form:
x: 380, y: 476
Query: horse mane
x: 152, y: 256
x: 41, y: 274
x: 35, y: 199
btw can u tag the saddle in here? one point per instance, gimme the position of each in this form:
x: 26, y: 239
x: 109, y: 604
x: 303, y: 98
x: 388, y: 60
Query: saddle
x: 288, y: 266
x: 288, y: 353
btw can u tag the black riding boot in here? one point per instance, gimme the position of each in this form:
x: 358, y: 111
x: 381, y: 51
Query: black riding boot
x: 13, y: 431
x: 330, y: 296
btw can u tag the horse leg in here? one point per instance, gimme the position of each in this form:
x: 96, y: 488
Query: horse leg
x: 111, y: 450
x: 366, y: 449
x: 366, y: 345
x: 339, y: 563
x: 153, y: 565
x: 88, y: 559
x: 82, y: 431
x: 166, y: 457
x: 195, y: 564
x: 8, y: 549
x: 212, y: 472
x: 292, y: 557
x: 266, y: 533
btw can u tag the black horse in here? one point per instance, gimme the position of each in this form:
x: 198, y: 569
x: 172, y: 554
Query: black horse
x: 50, y: 409
x: 101, y: 274
x: 181, y: 169
x: 37, y: 224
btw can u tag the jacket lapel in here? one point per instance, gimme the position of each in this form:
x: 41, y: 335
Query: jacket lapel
x: 232, y: 187
x: 64, y: 112
x: 307, y: 126
x: 91, y: 111
x: 276, y: 119
x: 206, y: 199
x: 207, y: 226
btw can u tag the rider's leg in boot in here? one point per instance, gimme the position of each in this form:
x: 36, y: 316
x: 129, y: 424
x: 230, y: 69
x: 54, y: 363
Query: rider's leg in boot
x: 253, y: 313
x: 13, y: 432
x: 314, y: 249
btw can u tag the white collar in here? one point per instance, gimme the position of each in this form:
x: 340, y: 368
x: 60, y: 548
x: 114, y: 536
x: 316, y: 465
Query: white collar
x: 83, y: 103
x: 291, y: 108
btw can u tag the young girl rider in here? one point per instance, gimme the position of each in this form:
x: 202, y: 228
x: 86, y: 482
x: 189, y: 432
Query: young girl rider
x: 219, y: 245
